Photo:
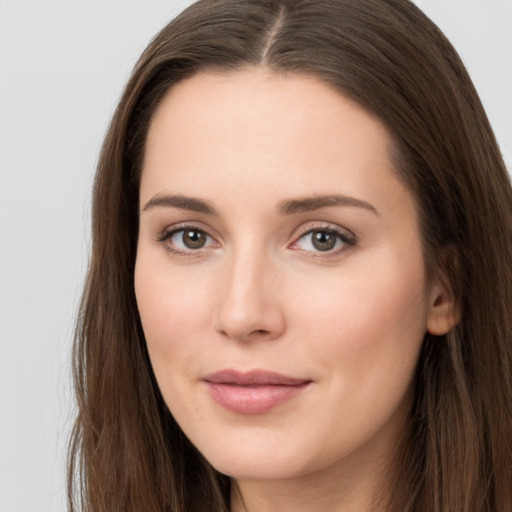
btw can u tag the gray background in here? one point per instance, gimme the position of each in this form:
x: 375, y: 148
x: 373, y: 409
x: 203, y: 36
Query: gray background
x: 62, y: 66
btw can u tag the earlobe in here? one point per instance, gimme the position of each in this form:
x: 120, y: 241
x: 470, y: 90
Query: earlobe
x: 444, y: 312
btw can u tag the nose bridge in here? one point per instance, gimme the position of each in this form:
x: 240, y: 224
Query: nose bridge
x: 249, y: 305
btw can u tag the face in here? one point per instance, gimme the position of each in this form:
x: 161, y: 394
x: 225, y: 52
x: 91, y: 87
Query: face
x: 279, y: 275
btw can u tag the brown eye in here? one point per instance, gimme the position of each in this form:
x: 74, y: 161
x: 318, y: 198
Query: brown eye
x: 193, y: 238
x: 323, y: 240
x: 187, y: 240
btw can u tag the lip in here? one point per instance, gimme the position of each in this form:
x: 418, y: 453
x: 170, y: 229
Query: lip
x: 253, y: 392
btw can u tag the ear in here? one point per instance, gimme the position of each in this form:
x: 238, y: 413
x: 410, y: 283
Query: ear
x: 444, y: 313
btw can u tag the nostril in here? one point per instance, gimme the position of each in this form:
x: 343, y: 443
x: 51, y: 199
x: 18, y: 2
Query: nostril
x: 258, y: 334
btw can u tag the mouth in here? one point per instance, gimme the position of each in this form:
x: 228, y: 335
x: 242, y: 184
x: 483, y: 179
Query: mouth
x: 253, y: 392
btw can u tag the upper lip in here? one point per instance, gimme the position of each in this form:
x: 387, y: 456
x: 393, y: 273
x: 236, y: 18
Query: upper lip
x: 253, y: 378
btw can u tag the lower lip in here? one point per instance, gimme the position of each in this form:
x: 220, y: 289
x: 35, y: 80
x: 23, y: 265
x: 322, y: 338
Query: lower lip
x: 253, y: 399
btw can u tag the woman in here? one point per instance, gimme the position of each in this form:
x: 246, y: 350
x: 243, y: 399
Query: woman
x: 299, y: 293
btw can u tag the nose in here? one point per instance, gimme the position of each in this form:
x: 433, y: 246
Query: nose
x: 249, y: 306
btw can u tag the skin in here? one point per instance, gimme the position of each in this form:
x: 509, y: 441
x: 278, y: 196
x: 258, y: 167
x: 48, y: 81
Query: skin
x: 259, y: 294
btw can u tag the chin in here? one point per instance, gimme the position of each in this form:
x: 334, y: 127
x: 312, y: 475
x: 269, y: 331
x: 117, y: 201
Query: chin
x: 264, y: 459
x: 260, y: 468
x: 260, y: 457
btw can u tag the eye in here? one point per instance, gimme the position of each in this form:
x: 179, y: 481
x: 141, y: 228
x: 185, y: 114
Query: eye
x: 324, y: 240
x: 186, y: 240
x: 189, y: 239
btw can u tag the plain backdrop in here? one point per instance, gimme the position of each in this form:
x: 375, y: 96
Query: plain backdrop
x: 62, y: 67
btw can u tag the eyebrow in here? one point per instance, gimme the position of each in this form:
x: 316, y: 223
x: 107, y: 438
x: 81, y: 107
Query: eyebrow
x: 292, y: 206
x: 183, y: 202
x: 287, y: 207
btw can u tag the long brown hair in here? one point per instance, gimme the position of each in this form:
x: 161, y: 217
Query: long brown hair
x: 127, y: 454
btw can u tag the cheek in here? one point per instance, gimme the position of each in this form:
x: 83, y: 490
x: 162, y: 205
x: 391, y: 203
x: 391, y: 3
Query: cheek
x: 384, y: 309
x: 174, y: 310
x: 367, y: 324
x: 381, y: 289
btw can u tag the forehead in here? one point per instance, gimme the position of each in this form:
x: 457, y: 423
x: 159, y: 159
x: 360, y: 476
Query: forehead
x: 260, y: 101
x: 252, y: 129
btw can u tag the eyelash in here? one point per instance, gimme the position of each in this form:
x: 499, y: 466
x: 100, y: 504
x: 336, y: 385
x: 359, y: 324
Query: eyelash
x: 347, y: 238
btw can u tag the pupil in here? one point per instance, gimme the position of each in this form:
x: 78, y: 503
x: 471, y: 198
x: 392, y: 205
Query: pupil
x: 194, y: 239
x: 323, y: 241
